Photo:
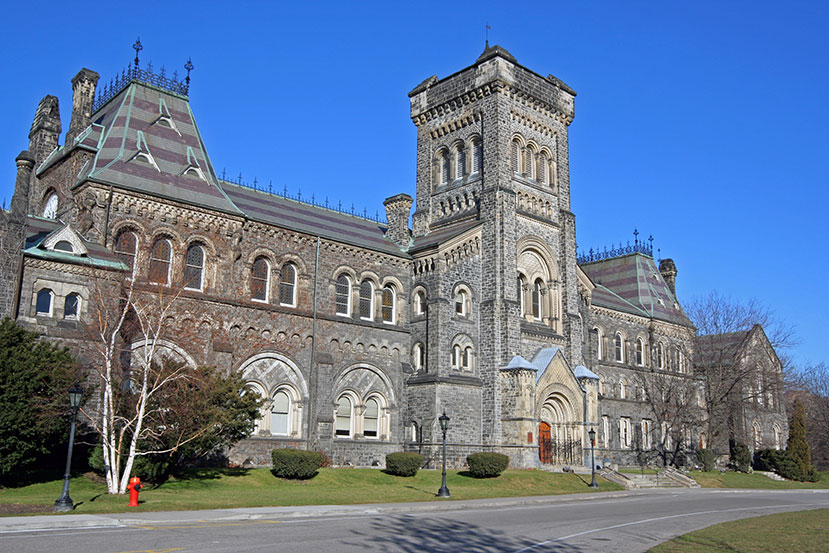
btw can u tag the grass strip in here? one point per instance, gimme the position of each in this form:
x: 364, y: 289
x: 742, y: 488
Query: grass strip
x: 796, y: 532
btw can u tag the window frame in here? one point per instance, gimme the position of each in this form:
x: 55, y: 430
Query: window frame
x: 158, y: 261
x: 77, y: 314
x: 377, y: 419
x: 287, y: 413
x: 619, y: 348
x: 640, y: 352
x: 288, y: 284
x: 264, y: 282
x: 388, y: 305
x: 51, y: 295
x: 189, y: 267
x: 338, y: 416
x: 366, y: 300
x: 127, y: 257
x: 338, y: 294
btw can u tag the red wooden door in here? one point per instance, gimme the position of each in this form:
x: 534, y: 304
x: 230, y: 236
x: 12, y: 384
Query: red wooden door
x: 545, y: 446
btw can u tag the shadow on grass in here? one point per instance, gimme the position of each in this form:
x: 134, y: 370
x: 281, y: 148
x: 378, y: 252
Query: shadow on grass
x: 274, y: 472
x: 35, y: 476
x: 211, y: 473
x: 408, y: 534
x: 431, y: 493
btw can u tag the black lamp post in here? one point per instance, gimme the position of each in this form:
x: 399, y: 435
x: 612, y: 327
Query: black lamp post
x: 444, y: 426
x: 592, y: 435
x: 64, y: 502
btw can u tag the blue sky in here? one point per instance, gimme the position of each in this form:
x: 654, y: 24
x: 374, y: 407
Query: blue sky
x: 704, y: 124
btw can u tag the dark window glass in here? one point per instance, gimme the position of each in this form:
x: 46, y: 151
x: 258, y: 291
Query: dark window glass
x: 70, y: 306
x: 388, y: 305
x: 259, y: 279
x: 343, y: 291
x: 160, y: 262
x: 193, y: 266
x: 366, y: 292
x: 44, y: 302
x: 125, y: 247
x: 287, y: 285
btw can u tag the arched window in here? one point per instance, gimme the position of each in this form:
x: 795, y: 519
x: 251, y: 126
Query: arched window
x: 599, y: 344
x: 538, y: 287
x: 43, y: 305
x: 343, y: 417
x: 371, y: 419
x: 680, y: 361
x: 462, y: 303
x: 343, y: 295
x: 260, y: 279
x: 71, y: 306
x: 529, y: 162
x: 280, y: 414
x: 778, y: 437
x: 477, y: 156
x: 419, y: 357
x: 367, y: 300
x: 420, y: 303
x: 459, y: 161
x: 619, y: 345
x: 640, y: 352
x: 623, y: 389
x: 388, y: 310
x: 660, y: 356
x: 541, y: 169
x: 456, y: 356
x: 516, y: 156
x: 50, y: 206
x: 287, y: 285
x: 160, y: 261
x: 64, y: 246
x: 194, y: 267
x: 466, y: 360
x: 126, y: 244
x: 758, y: 440
x: 606, y: 430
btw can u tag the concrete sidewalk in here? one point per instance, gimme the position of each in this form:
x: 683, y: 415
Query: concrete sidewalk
x: 139, y: 518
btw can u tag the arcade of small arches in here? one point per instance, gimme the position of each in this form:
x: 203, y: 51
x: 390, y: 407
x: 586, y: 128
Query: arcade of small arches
x: 533, y: 163
x: 618, y: 349
x: 457, y: 161
x: 538, y: 287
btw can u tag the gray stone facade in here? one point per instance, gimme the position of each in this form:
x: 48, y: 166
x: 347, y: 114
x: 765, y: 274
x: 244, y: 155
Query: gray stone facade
x: 360, y: 338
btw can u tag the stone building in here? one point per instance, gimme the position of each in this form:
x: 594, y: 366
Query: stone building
x: 360, y: 333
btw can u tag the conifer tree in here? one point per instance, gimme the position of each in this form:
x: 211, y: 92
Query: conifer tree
x: 797, y: 447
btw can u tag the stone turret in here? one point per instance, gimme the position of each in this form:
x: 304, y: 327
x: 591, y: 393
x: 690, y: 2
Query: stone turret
x: 13, y: 237
x: 397, y: 214
x: 668, y: 270
x: 46, y: 128
x: 83, y: 96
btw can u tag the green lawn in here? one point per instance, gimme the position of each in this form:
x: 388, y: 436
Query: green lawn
x: 730, y: 479
x: 798, y: 532
x: 224, y: 488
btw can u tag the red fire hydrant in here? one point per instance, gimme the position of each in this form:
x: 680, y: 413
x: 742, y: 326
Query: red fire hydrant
x: 135, y: 486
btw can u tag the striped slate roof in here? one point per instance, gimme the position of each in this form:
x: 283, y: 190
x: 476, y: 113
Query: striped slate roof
x: 153, y: 112
x: 291, y: 214
x: 441, y: 235
x: 39, y: 228
x: 633, y: 284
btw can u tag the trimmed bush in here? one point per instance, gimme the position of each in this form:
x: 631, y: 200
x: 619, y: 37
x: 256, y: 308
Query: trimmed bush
x: 781, y: 463
x: 295, y: 464
x: 487, y: 465
x: 403, y: 463
x: 707, y: 459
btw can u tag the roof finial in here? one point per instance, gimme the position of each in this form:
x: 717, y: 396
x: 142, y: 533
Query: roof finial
x: 487, y: 36
x: 636, y: 236
x: 137, y: 47
x: 189, y: 67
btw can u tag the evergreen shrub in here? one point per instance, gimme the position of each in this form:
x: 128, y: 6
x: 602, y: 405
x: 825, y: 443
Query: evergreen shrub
x: 707, y: 459
x: 740, y: 456
x: 295, y: 464
x: 403, y: 463
x: 487, y: 465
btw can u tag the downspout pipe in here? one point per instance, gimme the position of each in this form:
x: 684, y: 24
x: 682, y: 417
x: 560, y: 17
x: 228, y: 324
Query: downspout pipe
x: 314, y: 373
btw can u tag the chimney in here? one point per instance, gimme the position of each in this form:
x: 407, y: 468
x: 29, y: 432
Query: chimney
x: 668, y: 270
x: 83, y: 96
x: 45, y: 132
x: 397, y: 214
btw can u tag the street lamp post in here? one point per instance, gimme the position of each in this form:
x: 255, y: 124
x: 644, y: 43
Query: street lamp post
x: 444, y: 425
x: 64, y: 502
x: 592, y: 435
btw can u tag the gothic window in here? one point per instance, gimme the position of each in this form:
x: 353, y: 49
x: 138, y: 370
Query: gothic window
x: 388, y: 308
x: 640, y: 352
x: 43, y: 305
x: 126, y: 245
x: 160, y: 262
x: 466, y: 359
x: 367, y: 300
x: 538, y: 286
x: 371, y: 418
x: 343, y: 417
x: 260, y: 279
x: 71, y: 306
x: 660, y: 356
x: 287, y: 285
x: 280, y: 414
x: 420, y: 303
x: 343, y: 295
x: 419, y: 357
x: 456, y: 356
x: 194, y: 267
x: 619, y: 346
x: 50, y: 206
x: 599, y: 344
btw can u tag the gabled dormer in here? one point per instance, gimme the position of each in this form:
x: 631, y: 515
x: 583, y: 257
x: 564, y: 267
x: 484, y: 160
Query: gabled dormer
x: 65, y: 240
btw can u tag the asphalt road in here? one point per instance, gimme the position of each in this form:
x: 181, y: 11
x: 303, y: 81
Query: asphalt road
x: 631, y: 522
